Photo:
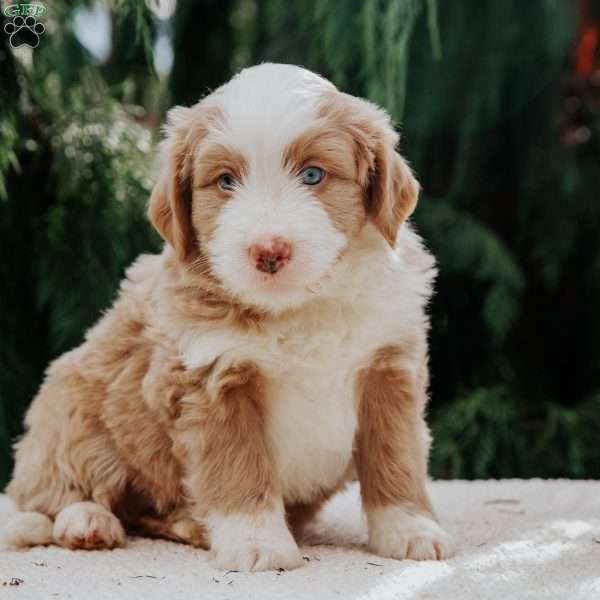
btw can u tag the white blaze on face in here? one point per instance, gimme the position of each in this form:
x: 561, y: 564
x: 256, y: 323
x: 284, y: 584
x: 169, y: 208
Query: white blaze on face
x: 266, y: 108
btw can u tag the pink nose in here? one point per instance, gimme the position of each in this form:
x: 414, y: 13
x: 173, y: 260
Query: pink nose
x: 271, y: 256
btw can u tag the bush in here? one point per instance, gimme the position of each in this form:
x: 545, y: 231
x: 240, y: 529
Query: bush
x: 499, y: 107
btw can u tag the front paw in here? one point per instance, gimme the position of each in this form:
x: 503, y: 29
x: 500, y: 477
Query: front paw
x: 88, y: 526
x: 254, y: 557
x: 394, y: 532
x: 253, y: 543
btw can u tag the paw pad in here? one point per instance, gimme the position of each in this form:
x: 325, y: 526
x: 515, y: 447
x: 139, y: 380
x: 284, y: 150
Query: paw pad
x: 24, y: 31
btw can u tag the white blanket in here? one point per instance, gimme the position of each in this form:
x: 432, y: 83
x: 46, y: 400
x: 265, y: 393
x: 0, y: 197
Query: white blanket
x: 515, y: 539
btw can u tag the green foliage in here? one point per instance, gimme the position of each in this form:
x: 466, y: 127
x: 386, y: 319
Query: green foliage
x: 469, y: 247
x: 100, y: 202
x: 509, y: 207
x: 488, y: 433
x: 75, y: 167
x: 477, y: 436
x: 361, y: 45
x: 509, y: 210
x: 209, y: 53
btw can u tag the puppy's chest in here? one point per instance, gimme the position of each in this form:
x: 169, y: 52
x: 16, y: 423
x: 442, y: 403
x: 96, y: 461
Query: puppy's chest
x: 312, y: 414
x: 310, y: 366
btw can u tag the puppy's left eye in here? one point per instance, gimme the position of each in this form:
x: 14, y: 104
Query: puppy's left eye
x: 312, y: 175
x: 227, y: 182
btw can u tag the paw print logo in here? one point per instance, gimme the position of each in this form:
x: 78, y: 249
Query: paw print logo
x: 24, y: 31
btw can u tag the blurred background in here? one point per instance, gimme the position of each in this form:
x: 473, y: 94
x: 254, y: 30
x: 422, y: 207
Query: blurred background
x: 498, y: 102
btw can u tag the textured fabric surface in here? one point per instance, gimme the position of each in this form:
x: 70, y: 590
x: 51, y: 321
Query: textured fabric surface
x: 515, y: 539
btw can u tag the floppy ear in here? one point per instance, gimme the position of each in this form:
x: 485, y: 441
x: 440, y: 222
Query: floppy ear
x: 391, y: 188
x: 393, y: 192
x: 170, y: 204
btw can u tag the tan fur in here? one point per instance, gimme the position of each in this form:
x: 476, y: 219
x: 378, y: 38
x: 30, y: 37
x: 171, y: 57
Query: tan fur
x: 178, y: 526
x: 229, y: 470
x: 100, y: 436
x: 391, y: 188
x: 121, y: 421
x: 212, y: 160
x: 122, y: 443
x: 326, y: 146
x: 354, y: 143
x: 215, y: 159
x: 194, y: 295
x: 170, y: 205
x: 393, y: 439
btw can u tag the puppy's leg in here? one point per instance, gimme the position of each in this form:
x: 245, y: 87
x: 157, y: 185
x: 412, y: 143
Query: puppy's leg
x: 391, y: 457
x: 65, y: 457
x: 231, y: 478
x: 89, y: 526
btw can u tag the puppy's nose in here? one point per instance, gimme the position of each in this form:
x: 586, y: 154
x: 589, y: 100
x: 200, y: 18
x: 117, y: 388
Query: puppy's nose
x: 271, y: 256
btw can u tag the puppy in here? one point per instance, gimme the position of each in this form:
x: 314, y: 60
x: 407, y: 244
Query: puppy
x: 275, y: 350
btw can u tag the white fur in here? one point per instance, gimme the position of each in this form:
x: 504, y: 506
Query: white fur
x: 374, y: 297
x: 335, y: 303
x: 78, y: 523
x: 395, y: 532
x: 258, y: 542
x: 214, y: 343
x: 334, y: 313
x: 27, y: 529
x: 264, y: 208
x: 265, y: 108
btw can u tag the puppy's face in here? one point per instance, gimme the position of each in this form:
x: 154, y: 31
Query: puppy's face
x: 270, y: 178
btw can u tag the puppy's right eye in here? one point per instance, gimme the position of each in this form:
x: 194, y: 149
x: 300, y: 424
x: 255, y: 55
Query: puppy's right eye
x: 227, y: 182
x: 312, y: 175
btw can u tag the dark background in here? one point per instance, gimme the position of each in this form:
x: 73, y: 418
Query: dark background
x: 498, y: 102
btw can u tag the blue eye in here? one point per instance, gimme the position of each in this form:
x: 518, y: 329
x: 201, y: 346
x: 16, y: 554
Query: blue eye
x: 312, y: 175
x: 227, y: 182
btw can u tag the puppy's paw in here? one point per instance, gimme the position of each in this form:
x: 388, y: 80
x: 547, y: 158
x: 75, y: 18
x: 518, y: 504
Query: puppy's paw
x: 254, y: 557
x: 27, y: 529
x: 396, y: 533
x: 88, y: 526
x: 253, y: 543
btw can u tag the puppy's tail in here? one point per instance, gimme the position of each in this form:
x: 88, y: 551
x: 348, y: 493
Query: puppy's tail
x: 22, y: 529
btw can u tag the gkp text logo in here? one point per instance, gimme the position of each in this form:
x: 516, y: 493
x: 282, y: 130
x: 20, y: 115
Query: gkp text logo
x: 24, y: 28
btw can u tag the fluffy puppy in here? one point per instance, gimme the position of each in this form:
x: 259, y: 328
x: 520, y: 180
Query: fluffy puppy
x: 273, y: 351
